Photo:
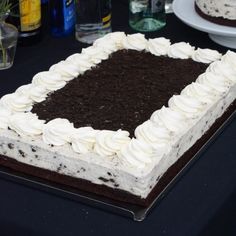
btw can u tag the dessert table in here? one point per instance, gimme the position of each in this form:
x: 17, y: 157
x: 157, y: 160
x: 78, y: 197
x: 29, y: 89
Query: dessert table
x: 202, y: 202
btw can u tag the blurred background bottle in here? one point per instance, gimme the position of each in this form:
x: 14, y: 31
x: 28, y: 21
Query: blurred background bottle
x: 26, y: 16
x: 93, y: 19
x: 147, y: 15
x: 62, y: 17
x: 168, y: 6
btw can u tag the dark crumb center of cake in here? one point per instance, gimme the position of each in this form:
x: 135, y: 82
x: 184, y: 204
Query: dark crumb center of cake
x: 121, y: 92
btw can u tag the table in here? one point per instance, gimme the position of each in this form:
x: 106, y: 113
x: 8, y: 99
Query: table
x: 201, y: 203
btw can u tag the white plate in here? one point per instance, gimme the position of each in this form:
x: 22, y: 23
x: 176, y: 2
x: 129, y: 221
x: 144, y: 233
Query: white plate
x: 223, y: 35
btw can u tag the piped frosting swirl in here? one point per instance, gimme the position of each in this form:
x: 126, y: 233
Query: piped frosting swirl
x: 158, y: 46
x: 57, y: 132
x: 83, y: 139
x: 135, y: 42
x: 136, y: 153
x: 181, y: 50
x: 26, y: 124
x: 108, y: 142
x: 206, y: 55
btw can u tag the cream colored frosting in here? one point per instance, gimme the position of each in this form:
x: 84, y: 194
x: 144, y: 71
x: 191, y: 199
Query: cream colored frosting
x: 81, y: 61
x: 107, y: 45
x: 158, y: 46
x: 188, y: 106
x: 83, y: 139
x: 16, y: 102
x: 111, y: 39
x: 172, y: 120
x: 135, y: 42
x: 111, y: 42
x: 216, y: 82
x: 23, y: 90
x: 57, y: 132
x: 200, y: 92
x: 35, y: 92
x: 95, y: 54
x: 109, y: 142
x: 223, y: 69
x: 136, y: 153
x: 158, y: 137
x: 181, y: 50
x: 230, y: 58
x: 26, y: 124
x: 206, y: 55
x: 49, y: 80
x: 67, y: 70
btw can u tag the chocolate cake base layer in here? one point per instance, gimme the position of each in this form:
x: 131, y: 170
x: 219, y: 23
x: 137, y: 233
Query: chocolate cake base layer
x: 115, y: 194
x: 217, y: 20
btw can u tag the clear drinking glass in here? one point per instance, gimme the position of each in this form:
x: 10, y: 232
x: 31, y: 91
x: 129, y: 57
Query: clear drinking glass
x: 147, y: 15
x: 8, y: 41
x: 93, y: 19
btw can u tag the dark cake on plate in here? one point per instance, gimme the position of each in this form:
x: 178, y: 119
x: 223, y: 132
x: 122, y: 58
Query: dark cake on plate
x: 222, y: 12
x: 120, y: 118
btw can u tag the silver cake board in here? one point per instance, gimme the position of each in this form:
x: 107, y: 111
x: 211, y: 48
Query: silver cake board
x: 137, y: 213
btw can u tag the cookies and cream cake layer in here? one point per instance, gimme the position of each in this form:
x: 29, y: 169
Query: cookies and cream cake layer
x: 218, y: 8
x: 221, y: 12
x: 116, y: 158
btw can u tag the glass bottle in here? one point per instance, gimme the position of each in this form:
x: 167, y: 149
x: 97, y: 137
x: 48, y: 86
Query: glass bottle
x: 62, y: 17
x: 8, y: 41
x: 168, y: 6
x: 147, y: 15
x: 27, y: 19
